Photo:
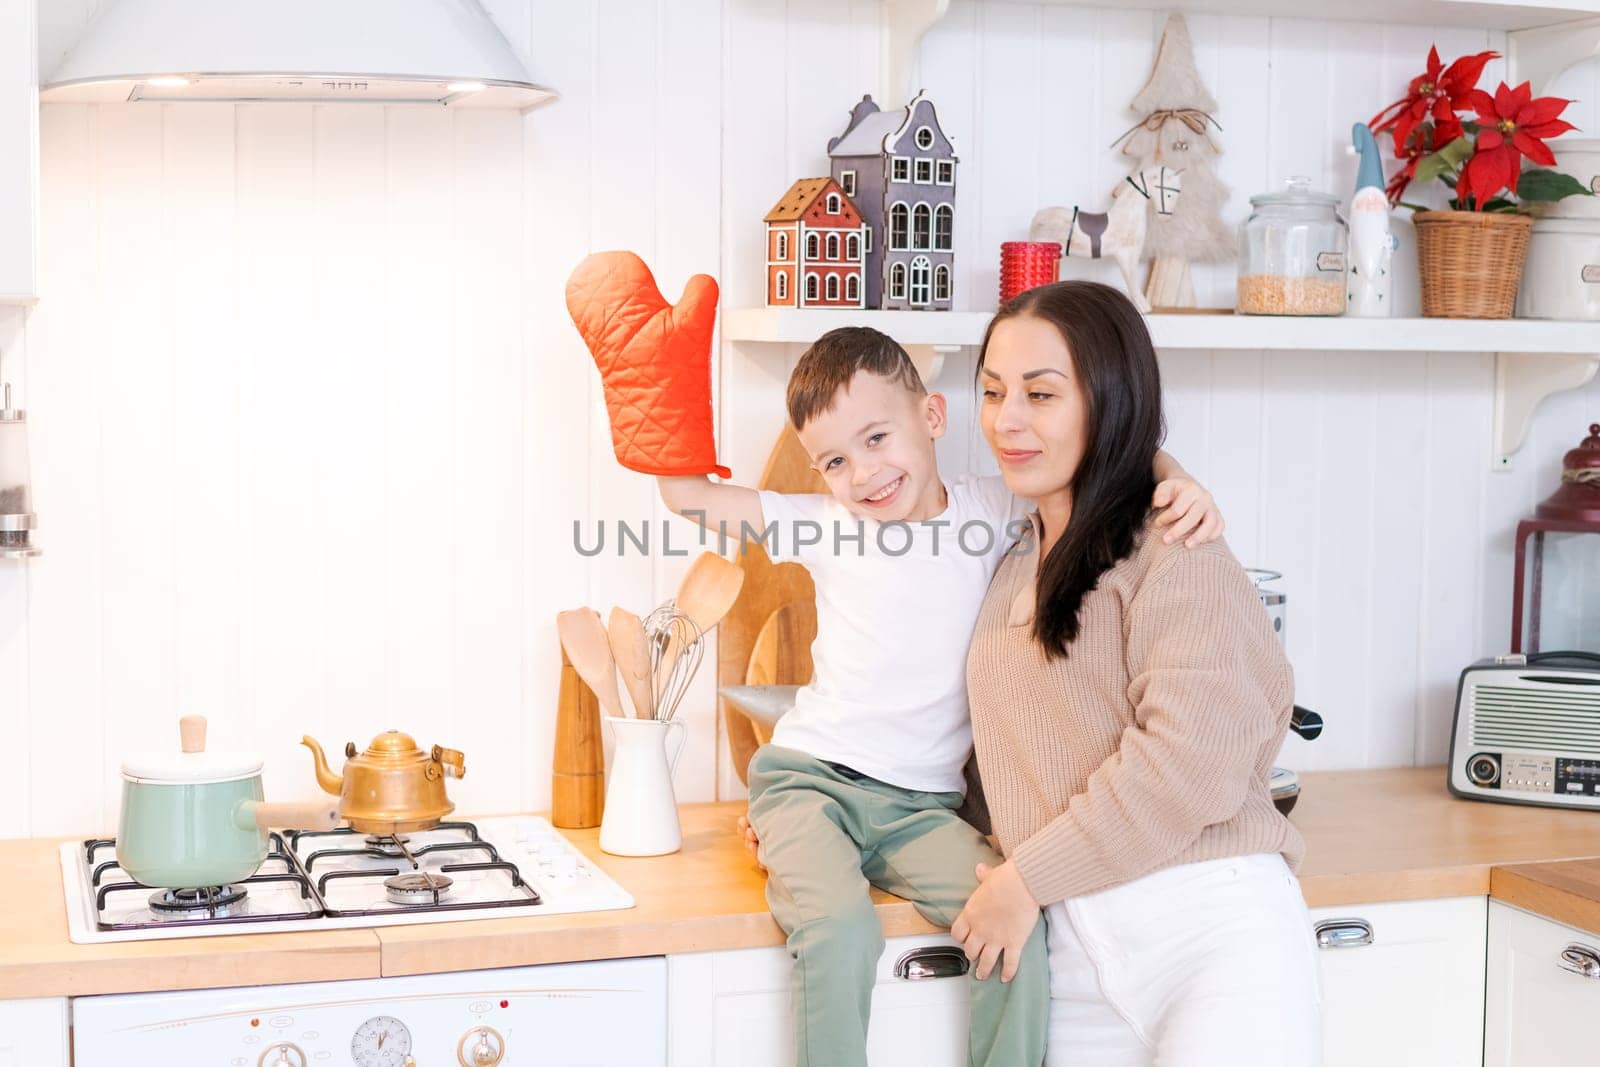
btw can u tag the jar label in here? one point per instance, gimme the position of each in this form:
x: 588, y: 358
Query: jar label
x: 1330, y: 261
x: 1591, y: 273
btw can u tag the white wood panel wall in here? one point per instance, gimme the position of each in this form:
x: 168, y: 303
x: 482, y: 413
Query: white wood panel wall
x: 311, y: 426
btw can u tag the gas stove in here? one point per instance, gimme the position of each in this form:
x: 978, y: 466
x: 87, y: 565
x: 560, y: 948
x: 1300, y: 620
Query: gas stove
x: 314, y: 880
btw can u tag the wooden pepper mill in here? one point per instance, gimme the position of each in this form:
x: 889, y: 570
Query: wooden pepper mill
x: 578, y: 783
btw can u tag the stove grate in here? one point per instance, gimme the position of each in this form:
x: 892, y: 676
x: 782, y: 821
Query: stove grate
x: 379, y: 854
x: 297, y: 871
x: 528, y: 895
x: 154, y: 923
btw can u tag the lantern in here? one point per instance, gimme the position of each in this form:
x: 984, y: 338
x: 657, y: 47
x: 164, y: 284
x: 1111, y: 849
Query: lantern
x: 1556, y: 596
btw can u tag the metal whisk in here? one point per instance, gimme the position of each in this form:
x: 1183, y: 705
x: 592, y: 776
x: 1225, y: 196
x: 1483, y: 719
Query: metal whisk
x: 675, y: 651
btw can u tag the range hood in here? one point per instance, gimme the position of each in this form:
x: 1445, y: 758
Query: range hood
x: 445, y: 52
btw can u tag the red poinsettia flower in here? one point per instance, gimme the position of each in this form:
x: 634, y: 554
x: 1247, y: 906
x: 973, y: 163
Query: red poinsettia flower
x: 1511, y: 124
x: 1434, y: 95
x: 1402, y: 178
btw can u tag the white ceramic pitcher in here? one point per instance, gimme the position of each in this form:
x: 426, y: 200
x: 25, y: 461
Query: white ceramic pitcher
x: 641, y: 816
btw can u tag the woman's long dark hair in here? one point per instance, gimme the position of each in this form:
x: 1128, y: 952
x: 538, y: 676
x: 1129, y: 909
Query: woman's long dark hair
x: 1116, y: 368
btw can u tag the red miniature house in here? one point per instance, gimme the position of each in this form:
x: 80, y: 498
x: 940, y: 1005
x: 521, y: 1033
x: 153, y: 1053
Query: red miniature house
x: 816, y: 248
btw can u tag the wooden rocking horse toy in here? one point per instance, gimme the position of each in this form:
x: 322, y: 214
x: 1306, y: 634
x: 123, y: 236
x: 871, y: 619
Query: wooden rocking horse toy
x: 1117, y: 233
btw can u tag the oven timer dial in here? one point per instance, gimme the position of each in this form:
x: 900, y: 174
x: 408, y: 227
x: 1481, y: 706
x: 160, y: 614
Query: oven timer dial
x: 482, y: 1046
x: 284, y: 1054
x: 381, y: 1041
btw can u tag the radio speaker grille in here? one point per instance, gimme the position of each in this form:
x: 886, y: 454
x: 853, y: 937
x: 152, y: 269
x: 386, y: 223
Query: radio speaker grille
x: 1542, y: 719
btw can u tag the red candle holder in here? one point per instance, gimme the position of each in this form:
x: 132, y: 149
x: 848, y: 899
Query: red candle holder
x: 1027, y: 265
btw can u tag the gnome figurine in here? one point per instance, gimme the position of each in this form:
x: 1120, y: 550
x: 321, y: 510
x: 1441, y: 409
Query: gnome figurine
x: 1367, y: 278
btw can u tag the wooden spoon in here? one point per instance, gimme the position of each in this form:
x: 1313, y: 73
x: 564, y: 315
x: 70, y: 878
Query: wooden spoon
x: 706, y: 593
x: 626, y: 634
x: 583, y: 635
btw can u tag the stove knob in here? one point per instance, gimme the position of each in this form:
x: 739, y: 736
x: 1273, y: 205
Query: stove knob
x: 481, y: 1046
x: 283, y: 1054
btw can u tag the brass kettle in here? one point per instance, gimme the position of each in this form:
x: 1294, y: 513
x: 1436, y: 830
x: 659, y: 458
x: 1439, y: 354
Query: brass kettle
x: 393, y: 787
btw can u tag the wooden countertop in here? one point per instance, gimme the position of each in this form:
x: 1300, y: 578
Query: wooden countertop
x: 38, y: 959
x: 1399, y: 835
x: 1566, y: 892
x: 708, y: 896
x: 1371, y: 836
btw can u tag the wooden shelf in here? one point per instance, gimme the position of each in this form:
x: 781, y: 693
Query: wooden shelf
x: 1229, y: 332
x: 1544, y: 37
x: 1534, y: 358
x: 1504, y: 15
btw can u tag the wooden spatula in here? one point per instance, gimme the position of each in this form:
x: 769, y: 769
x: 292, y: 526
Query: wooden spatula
x: 583, y: 635
x: 626, y: 634
x: 709, y: 590
x: 706, y: 593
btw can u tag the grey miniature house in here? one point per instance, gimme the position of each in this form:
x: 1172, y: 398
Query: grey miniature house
x: 900, y: 169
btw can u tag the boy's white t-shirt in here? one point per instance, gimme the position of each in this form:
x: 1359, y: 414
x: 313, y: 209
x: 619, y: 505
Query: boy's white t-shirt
x: 895, y: 612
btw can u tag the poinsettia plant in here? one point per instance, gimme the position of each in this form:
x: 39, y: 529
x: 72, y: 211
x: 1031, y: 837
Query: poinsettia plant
x: 1479, y: 158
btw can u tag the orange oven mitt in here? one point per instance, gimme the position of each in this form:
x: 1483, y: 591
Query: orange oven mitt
x: 654, y: 360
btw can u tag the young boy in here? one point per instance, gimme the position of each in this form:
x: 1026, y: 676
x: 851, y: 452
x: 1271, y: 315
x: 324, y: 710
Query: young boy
x: 862, y: 780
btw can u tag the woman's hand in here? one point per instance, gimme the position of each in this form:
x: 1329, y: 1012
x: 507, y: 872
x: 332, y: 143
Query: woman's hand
x: 997, y: 921
x: 751, y: 841
x: 1189, y: 511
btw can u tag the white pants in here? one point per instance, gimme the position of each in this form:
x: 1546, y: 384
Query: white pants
x: 1209, y: 964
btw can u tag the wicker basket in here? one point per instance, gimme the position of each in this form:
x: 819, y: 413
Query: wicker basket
x: 1471, y: 262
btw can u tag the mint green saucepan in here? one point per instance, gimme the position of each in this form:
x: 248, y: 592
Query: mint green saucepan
x: 195, y: 819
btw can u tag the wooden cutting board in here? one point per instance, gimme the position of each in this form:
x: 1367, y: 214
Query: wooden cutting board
x: 777, y: 605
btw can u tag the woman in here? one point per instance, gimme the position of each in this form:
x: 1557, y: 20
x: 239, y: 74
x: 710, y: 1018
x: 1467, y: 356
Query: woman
x: 1128, y: 697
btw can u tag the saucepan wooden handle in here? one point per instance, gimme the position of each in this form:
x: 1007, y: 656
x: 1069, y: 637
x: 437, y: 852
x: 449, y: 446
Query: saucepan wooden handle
x: 192, y: 732
x: 307, y: 815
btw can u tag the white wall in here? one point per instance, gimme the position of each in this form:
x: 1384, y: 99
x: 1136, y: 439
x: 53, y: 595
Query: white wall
x: 311, y: 426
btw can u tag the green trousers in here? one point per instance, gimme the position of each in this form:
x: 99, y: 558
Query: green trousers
x: 826, y: 836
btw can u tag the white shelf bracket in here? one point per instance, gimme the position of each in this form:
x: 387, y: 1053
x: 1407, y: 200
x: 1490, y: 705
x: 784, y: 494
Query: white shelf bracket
x: 904, y: 23
x: 1538, y: 55
x: 929, y: 359
x: 1521, y: 382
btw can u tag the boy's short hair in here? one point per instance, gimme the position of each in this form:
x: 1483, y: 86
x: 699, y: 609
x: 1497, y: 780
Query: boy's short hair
x: 836, y: 357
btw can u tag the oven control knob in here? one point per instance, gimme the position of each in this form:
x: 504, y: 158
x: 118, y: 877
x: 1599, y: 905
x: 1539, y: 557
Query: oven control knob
x: 482, y: 1046
x: 283, y: 1054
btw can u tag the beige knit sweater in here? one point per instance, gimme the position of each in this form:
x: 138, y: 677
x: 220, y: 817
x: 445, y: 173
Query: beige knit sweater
x: 1150, y: 744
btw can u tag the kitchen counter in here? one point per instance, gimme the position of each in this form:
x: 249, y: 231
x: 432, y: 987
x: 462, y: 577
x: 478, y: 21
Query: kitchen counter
x: 1371, y: 836
x: 37, y: 959
x: 1565, y: 892
x: 1399, y: 835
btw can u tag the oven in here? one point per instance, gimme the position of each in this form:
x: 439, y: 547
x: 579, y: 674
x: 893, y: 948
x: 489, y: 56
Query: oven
x: 593, y: 1014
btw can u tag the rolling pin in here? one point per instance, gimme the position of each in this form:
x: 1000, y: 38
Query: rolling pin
x: 577, y: 782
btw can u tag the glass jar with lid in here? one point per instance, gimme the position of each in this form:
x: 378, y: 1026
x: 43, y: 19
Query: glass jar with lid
x: 1291, y: 253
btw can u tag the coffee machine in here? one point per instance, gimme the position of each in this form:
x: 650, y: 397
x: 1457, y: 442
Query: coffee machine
x: 1285, y: 784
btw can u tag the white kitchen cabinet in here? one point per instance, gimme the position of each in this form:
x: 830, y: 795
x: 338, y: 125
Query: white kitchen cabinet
x: 19, y: 152
x: 33, y: 1033
x: 1414, y: 993
x: 1542, y: 1007
x: 731, y: 1009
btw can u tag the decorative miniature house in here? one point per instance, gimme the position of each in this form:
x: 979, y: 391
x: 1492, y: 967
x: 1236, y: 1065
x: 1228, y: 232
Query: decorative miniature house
x: 900, y: 168
x: 816, y: 244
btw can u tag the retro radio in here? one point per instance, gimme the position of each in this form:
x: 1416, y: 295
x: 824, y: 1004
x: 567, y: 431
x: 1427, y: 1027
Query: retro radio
x: 1527, y: 730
